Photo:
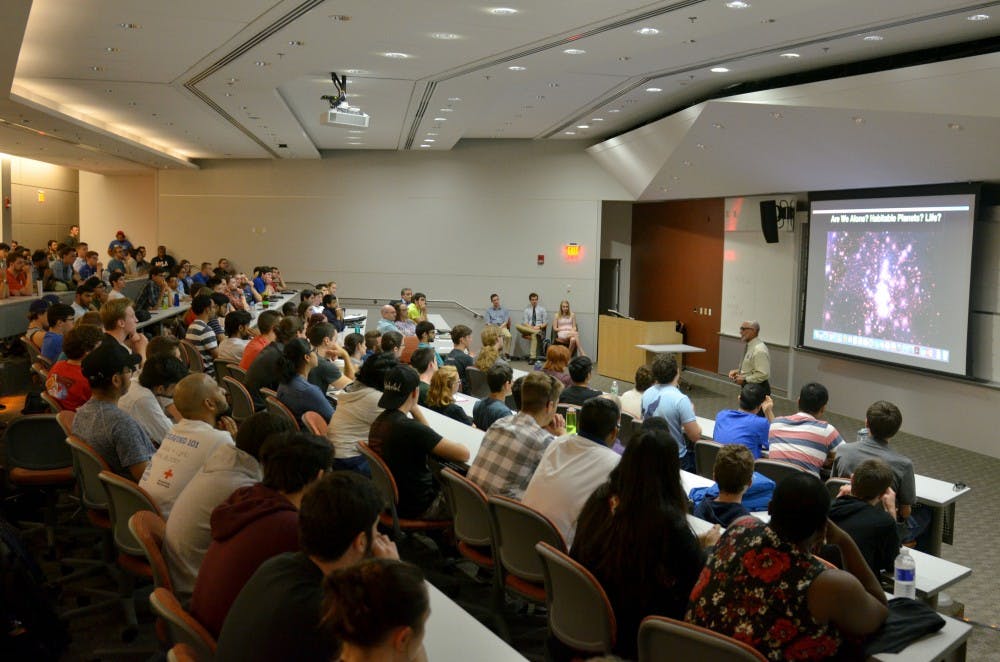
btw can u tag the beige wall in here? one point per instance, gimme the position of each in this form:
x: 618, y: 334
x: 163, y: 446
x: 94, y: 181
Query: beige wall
x: 616, y: 244
x: 457, y: 225
x: 109, y: 203
x: 35, y: 222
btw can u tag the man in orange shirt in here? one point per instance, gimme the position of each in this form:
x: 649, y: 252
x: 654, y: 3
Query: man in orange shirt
x: 265, y: 324
x: 18, y: 279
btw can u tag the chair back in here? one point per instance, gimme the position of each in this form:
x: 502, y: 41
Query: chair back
x: 40, y: 370
x: 192, y: 357
x: 183, y: 627
x: 31, y: 348
x: 510, y: 402
x: 65, y: 420
x: 469, y: 507
x: 237, y: 373
x: 221, y: 369
x: 704, y: 457
x: 148, y: 528
x: 478, y: 386
x: 182, y: 653
x: 87, y: 467
x: 37, y: 443
x: 833, y: 486
x: 239, y: 398
x: 315, y: 422
x: 384, y: 482
x: 125, y: 498
x: 278, y: 408
x: 409, y: 346
x: 265, y: 392
x: 776, y: 470
x: 580, y: 614
x: 517, y: 528
x: 662, y: 638
x: 54, y: 405
x: 626, y: 429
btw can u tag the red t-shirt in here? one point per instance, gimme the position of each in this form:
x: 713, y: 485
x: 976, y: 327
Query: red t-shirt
x: 16, y: 281
x: 252, y: 349
x: 67, y: 384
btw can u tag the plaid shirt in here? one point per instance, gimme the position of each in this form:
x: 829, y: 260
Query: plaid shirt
x: 509, y: 455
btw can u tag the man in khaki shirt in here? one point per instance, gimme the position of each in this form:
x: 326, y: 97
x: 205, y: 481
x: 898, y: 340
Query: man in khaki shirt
x: 756, y: 365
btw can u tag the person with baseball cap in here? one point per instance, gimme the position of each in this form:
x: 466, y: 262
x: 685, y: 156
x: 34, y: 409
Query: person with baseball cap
x: 405, y: 443
x: 115, y: 435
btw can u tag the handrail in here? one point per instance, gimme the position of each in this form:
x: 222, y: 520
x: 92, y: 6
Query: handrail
x: 381, y: 301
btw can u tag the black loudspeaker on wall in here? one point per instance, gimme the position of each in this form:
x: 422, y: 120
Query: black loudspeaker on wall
x: 769, y: 220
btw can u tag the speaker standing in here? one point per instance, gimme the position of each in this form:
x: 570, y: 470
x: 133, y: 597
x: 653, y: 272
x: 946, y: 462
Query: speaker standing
x: 756, y: 365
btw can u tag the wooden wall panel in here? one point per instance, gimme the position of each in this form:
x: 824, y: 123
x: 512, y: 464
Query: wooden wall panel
x: 677, y: 250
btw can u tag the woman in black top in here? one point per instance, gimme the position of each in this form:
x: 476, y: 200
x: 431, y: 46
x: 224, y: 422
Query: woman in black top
x: 634, y: 537
x: 441, y: 394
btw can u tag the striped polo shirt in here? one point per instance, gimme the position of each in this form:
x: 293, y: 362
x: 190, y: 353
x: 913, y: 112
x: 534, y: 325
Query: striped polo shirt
x: 802, y: 440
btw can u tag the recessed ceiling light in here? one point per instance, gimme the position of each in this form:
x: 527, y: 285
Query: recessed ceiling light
x: 353, y: 72
x: 295, y: 42
x: 516, y: 68
x: 978, y: 17
x: 454, y: 98
x: 790, y: 56
x: 624, y: 58
x: 396, y: 56
x: 96, y: 68
x: 569, y: 133
x: 675, y: 178
x: 233, y: 80
x: 583, y: 126
x: 776, y: 115
x: 446, y: 110
x: 654, y: 89
x: 262, y: 63
x: 354, y: 131
x: 688, y: 163
x: 228, y: 94
x: 440, y: 119
x: 955, y: 127
x: 597, y: 119
x: 718, y: 125
x: 429, y: 140
x: 615, y: 110
x: 425, y: 145
x: 737, y: 4
x: 340, y: 17
x: 502, y: 11
x: 110, y: 49
x: 857, y: 119
x: 700, y: 145
x: 431, y: 134
x: 874, y: 37
x: 574, y: 51
x: 109, y: 90
x: 553, y: 84
x: 719, y: 70
x: 129, y: 26
x: 445, y: 36
x: 647, y: 32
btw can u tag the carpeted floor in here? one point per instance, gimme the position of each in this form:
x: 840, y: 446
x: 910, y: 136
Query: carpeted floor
x: 977, y: 543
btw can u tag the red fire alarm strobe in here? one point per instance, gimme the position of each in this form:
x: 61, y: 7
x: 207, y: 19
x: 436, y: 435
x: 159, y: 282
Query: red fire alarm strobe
x: 541, y: 260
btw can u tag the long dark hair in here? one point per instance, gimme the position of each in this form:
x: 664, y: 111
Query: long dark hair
x: 295, y: 354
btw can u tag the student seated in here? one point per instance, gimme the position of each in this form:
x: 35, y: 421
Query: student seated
x: 295, y: 391
x: 866, y: 510
x: 494, y: 407
x: 556, y: 359
x: 580, y: 370
x: 792, y: 606
x: 632, y: 398
x: 66, y: 382
x: 377, y: 610
x: 357, y: 409
x: 441, y: 394
x: 745, y: 425
x: 733, y: 473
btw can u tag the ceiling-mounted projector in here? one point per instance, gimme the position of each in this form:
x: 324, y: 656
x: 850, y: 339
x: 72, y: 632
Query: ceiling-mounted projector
x: 342, y: 117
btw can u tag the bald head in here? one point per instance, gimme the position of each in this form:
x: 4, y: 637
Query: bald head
x: 199, y: 398
x: 388, y: 312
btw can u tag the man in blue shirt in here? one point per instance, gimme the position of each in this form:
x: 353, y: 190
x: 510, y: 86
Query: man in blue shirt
x: 60, y: 316
x: 120, y: 242
x: 498, y: 316
x: 201, y: 278
x: 665, y: 400
x: 745, y: 425
x: 534, y: 322
x: 117, y: 261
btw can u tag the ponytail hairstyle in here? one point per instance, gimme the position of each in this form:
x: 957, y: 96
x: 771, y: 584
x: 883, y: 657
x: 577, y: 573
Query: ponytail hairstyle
x: 295, y: 354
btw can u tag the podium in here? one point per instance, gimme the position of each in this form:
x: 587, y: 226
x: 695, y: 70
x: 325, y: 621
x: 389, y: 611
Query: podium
x: 617, y: 339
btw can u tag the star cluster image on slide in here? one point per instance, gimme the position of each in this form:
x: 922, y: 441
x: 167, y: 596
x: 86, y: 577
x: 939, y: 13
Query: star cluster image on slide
x: 877, y: 287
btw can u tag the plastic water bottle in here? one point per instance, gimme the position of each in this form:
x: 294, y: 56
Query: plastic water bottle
x: 905, y: 573
x: 614, y: 386
x: 177, y: 299
x: 862, y: 435
x: 571, y: 421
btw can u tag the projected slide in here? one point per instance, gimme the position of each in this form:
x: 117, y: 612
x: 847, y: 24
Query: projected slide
x: 889, y: 279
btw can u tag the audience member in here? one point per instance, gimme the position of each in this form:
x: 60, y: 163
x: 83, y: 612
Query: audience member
x: 200, y: 334
x: 441, y: 394
x: 64, y: 279
x: 388, y: 320
x: 281, y: 604
x: 489, y: 355
x: 580, y: 370
x: 534, y: 322
x: 498, y: 316
x: 354, y: 345
x: 38, y: 320
x: 866, y: 511
x: 632, y: 398
x: 392, y: 342
x: 566, y: 330
x: 323, y: 338
x: 163, y: 259
x: 665, y: 400
x: 295, y: 392
x: 119, y: 320
x: 417, y: 310
x: 65, y: 381
x: 423, y: 362
x: 113, y: 434
x: 19, y: 283
x: 81, y: 300
x: 237, y: 330
x: 633, y: 535
x: 333, y: 312
x: 257, y: 522
x: 513, y: 446
x: 803, y: 439
x: 377, y: 610
x: 189, y: 532
x: 202, y: 403
x: 357, y: 408
x: 883, y: 420
x: 60, y: 318
x: 265, y: 325
x: 264, y: 371
x: 575, y: 465
x: 151, y: 295
x: 556, y: 362
x: 159, y: 378
x: 117, y: 282
x: 120, y: 242
x: 461, y: 338
x: 405, y: 444
x: 494, y: 407
x: 373, y: 344
x: 792, y: 605
x: 744, y: 425
x: 403, y: 323
x: 426, y: 333
x: 733, y: 473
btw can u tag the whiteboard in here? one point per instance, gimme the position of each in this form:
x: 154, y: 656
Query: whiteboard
x: 758, y: 279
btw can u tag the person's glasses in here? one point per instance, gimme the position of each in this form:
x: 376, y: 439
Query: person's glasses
x: 744, y: 328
